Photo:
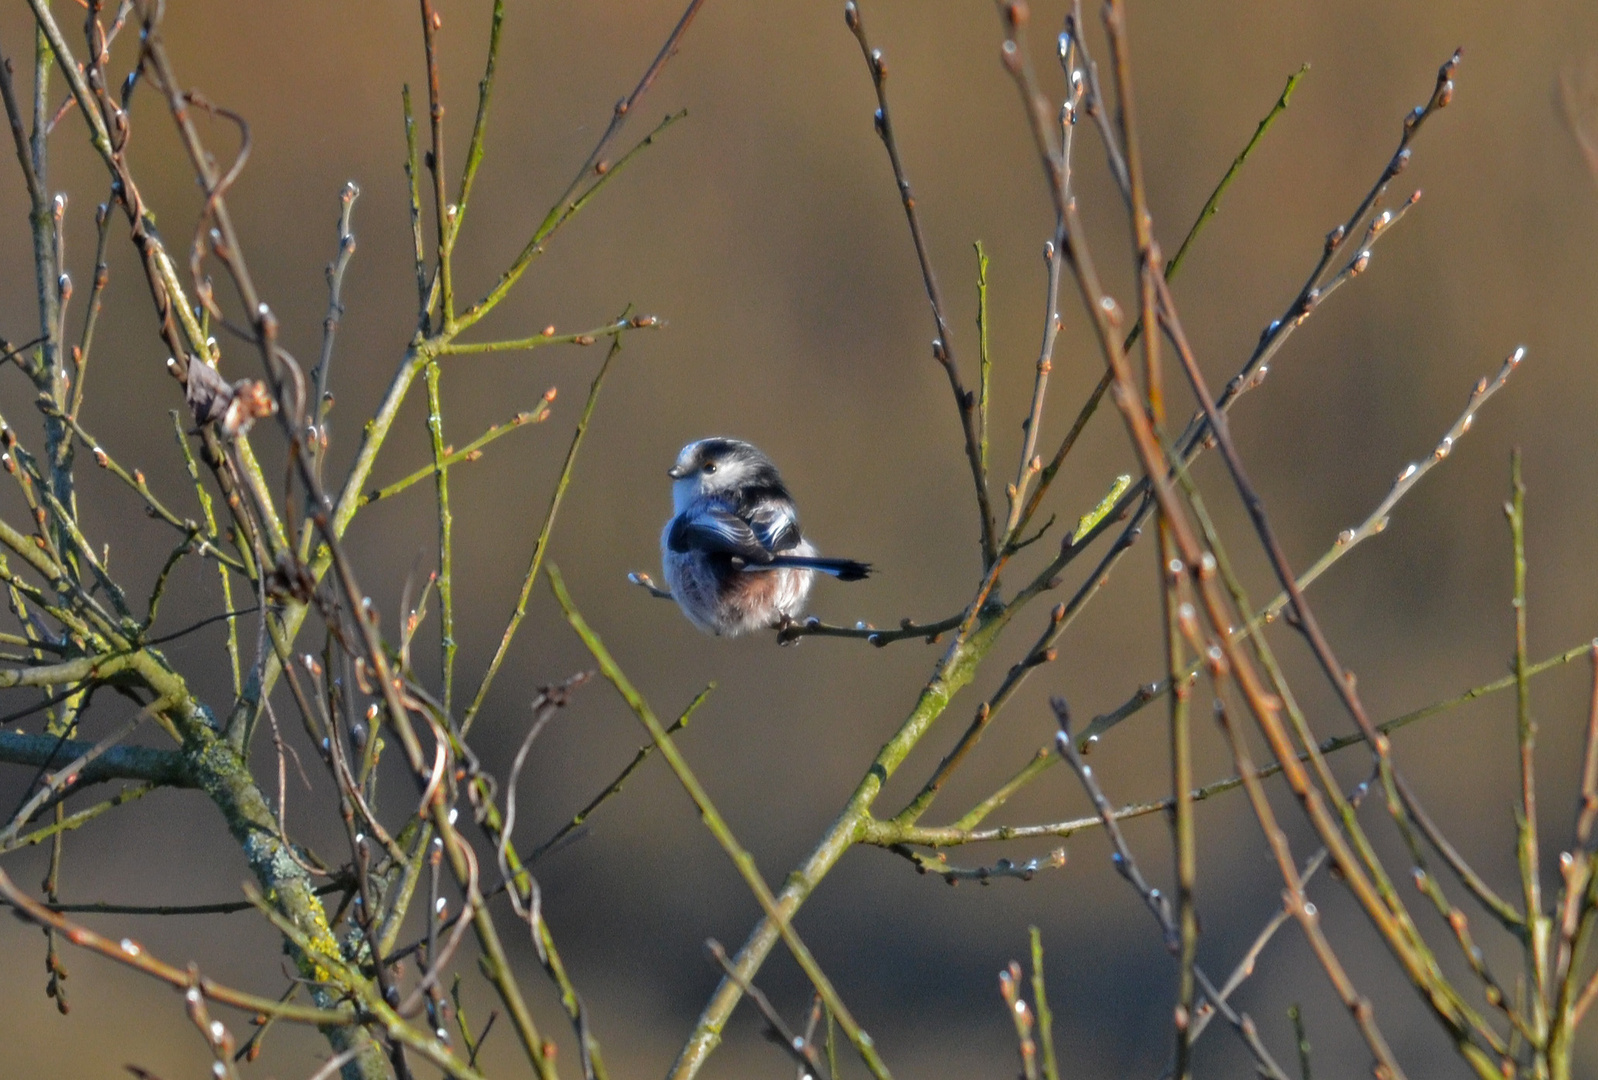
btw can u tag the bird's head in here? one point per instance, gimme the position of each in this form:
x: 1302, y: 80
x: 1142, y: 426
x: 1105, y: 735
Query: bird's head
x: 719, y: 467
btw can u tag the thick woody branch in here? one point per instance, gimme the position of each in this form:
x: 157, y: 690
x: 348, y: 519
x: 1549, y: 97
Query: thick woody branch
x: 151, y: 765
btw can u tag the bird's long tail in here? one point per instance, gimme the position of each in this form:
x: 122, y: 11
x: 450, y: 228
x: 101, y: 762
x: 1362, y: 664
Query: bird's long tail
x: 842, y: 569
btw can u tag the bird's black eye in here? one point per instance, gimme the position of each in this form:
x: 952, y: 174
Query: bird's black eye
x: 710, y: 467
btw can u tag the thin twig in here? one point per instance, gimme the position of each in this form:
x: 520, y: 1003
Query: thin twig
x: 576, y: 195
x: 321, y: 401
x: 943, y: 344
x: 541, y: 545
x: 446, y: 526
x: 938, y: 866
x: 424, y: 302
x: 1040, y: 1000
x: 431, y: 23
x: 1300, y: 1040
x: 615, y: 786
x: 1016, y: 1006
x: 550, y: 337
x: 984, y: 358
x: 1159, y: 906
x: 1212, y: 205
x: 1577, y: 900
x: 1538, y: 923
x: 1107, y: 322
x: 226, y: 907
x: 1148, y: 255
x: 68, y: 822
x: 485, y: 93
x: 91, y: 316
x: 891, y: 832
x: 57, y: 786
x: 800, y: 1049
x: 133, y: 955
x: 472, y: 451
x: 1245, y: 965
x: 1374, y: 523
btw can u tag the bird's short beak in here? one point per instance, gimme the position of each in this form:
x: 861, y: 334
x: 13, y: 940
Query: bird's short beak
x: 676, y: 472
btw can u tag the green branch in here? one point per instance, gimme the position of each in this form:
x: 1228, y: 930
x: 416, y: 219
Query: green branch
x: 558, y: 215
x: 1212, y: 205
x: 549, y: 337
x: 959, y: 664
x: 887, y: 833
x: 742, y: 860
x: 470, y: 452
x: 541, y: 545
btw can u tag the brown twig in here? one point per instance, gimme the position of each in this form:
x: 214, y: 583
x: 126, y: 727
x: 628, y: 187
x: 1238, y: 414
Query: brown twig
x: 801, y: 1049
x: 576, y: 194
x: 432, y: 21
x: 1159, y: 906
x: 133, y: 955
x: 321, y: 400
x: 1272, y: 338
x: 1304, y: 619
x: 614, y: 787
x: 1576, y: 902
x: 1527, y: 850
x: 57, y: 786
x: 965, y: 831
x: 1374, y: 523
x: 1107, y: 321
x: 942, y: 345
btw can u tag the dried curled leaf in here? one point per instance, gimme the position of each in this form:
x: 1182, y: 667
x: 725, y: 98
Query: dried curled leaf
x: 232, y: 407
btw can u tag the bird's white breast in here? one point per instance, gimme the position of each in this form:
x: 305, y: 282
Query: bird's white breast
x: 683, y: 492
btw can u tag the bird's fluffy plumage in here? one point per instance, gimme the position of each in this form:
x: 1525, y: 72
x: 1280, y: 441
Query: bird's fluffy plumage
x: 733, y: 553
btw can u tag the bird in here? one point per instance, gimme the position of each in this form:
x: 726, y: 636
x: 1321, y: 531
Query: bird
x: 732, y: 553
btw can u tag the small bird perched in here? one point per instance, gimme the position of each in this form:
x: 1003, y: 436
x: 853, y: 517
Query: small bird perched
x: 732, y: 552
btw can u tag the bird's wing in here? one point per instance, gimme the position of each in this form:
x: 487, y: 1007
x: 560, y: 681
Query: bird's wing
x: 716, y: 531
x: 776, y: 525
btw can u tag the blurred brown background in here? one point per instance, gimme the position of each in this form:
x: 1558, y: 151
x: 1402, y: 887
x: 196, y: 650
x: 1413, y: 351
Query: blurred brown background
x: 766, y: 230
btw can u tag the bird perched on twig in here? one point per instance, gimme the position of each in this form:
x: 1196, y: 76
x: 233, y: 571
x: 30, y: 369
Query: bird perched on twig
x: 733, y: 554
